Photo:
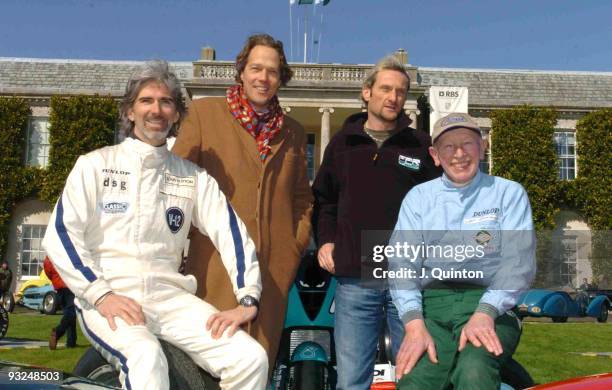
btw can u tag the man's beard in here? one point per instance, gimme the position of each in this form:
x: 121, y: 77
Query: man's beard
x: 151, y: 134
x: 157, y: 135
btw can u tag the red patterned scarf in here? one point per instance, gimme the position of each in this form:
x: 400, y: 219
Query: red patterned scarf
x: 262, y: 127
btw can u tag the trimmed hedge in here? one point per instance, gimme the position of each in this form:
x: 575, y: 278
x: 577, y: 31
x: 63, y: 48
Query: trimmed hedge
x: 593, y: 194
x: 16, y: 182
x: 521, y: 134
x: 593, y: 186
x: 78, y: 125
x: 523, y: 150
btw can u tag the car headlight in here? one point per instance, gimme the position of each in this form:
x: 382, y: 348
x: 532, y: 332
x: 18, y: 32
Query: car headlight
x: 535, y: 309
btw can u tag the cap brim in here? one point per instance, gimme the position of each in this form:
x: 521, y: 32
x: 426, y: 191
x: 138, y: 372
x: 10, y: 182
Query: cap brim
x: 462, y: 126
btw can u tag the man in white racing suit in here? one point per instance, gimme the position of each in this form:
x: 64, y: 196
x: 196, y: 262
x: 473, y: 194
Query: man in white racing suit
x: 117, y: 235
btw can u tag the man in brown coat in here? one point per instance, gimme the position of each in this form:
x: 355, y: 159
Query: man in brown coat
x: 258, y: 156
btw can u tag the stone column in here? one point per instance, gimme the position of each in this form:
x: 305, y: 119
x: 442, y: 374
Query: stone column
x: 413, y: 112
x: 325, y: 129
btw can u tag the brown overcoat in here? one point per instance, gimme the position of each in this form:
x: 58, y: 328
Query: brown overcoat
x: 273, y: 199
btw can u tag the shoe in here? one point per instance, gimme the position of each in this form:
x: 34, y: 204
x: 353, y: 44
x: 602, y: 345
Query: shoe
x: 53, y: 340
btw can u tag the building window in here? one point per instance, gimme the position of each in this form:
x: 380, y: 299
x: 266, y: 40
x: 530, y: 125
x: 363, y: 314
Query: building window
x: 32, y: 252
x: 565, y: 143
x: 568, y: 256
x: 310, y: 157
x: 485, y: 165
x: 38, y: 142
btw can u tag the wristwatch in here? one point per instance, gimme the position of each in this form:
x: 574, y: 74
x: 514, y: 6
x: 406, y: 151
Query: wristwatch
x: 248, y: 301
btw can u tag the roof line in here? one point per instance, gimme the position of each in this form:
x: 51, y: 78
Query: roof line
x: 81, y: 61
x: 189, y: 63
x: 521, y: 71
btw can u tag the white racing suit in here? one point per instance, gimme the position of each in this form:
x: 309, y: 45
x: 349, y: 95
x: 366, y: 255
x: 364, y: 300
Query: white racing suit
x: 121, y: 225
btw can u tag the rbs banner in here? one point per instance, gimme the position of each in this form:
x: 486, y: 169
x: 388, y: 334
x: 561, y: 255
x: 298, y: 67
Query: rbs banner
x: 444, y: 100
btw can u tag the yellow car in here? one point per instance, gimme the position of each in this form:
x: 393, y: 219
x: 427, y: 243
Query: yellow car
x: 42, y: 280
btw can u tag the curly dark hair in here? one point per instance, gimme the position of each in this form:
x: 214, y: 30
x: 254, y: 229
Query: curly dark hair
x: 263, y: 40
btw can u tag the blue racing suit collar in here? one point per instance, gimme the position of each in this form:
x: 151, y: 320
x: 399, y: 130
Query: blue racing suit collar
x: 471, y: 185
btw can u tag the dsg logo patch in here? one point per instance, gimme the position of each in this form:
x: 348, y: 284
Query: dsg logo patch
x: 174, y: 218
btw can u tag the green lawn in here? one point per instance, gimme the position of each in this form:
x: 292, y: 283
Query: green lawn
x: 545, y: 349
x: 26, y: 324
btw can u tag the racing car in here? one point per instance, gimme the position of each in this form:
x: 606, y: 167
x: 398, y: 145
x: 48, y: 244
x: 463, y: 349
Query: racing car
x: 559, y: 305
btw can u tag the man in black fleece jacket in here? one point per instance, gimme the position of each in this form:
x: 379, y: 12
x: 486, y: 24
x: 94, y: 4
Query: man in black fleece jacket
x: 368, y: 167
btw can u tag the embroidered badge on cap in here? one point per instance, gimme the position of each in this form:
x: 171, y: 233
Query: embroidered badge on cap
x: 174, y: 218
x: 452, y: 119
x: 414, y: 164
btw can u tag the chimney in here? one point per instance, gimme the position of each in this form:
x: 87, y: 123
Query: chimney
x: 402, y: 56
x: 207, y: 54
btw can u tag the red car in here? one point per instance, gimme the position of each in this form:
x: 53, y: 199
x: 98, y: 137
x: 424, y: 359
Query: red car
x: 591, y: 382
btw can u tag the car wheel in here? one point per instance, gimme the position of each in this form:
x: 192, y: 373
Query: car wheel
x: 8, y: 302
x: 385, y: 354
x: 280, y: 377
x: 49, y: 303
x: 309, y: 375
x: 93, y: 366
x: 184, y: 373
x: 4, y: 322
x: 559, y: 319
x: 603, y: 313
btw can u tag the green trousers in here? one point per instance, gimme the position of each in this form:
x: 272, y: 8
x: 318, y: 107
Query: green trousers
x: 446, y: 312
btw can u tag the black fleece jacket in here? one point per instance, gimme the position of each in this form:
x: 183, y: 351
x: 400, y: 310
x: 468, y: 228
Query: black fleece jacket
x: 361, y: 187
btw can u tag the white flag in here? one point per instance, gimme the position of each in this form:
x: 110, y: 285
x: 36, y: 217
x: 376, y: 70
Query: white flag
x: 444, y: 100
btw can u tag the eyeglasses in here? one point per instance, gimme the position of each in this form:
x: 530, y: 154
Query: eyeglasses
x: 468, y: 147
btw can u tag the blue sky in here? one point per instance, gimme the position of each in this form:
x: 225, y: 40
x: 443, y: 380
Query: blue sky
x: 518, y: 34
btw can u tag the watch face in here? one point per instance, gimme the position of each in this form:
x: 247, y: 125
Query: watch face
x: 248, y: 301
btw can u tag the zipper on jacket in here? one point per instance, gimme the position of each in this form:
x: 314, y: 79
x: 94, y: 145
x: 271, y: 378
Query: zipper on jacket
x: 375, y: 158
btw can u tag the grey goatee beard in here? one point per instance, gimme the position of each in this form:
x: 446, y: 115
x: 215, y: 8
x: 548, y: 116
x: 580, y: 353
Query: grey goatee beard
x: 157, y: 135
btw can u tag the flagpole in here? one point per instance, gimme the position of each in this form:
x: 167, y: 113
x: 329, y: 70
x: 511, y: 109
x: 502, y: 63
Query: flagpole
x: 297, y: 41
x: 320, y: 37
x: 305, y: 35
x: 290, y: 31
x: 312, y: 30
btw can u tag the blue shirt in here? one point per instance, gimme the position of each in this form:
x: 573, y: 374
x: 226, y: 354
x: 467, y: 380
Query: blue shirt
x: 491, y: 215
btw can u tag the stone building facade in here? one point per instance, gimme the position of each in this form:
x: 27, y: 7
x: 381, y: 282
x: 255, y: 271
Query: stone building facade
x: 320, y: 96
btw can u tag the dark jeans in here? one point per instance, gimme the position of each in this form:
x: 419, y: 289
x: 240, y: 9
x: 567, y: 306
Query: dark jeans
x: 358, y: 324
x: 68, y: 323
